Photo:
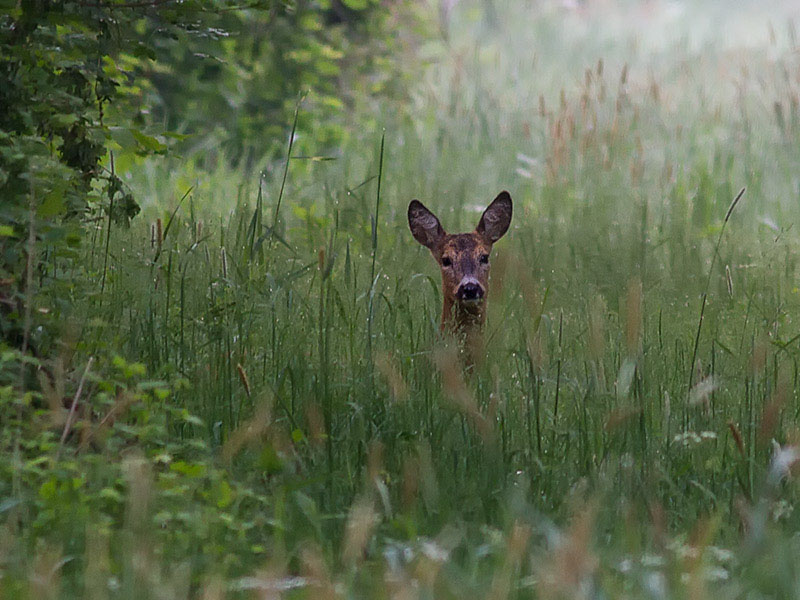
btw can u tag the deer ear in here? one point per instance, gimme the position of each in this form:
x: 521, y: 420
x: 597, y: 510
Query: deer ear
x: 424, y: 225
x: 496, y: 218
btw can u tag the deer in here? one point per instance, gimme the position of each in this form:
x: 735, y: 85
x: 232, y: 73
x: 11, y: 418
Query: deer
x: 464, y: 262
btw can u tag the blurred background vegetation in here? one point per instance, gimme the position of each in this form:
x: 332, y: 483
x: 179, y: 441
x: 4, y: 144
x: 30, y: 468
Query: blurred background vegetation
x: 221, y: 373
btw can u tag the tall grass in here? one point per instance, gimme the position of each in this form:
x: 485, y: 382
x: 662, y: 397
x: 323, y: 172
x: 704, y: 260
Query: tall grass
x: 579, y: 460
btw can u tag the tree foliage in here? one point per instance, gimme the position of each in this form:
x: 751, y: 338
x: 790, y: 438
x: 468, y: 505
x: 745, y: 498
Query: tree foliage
x: 78, y: 78
x: 233, y: 83
x: 55, y: 85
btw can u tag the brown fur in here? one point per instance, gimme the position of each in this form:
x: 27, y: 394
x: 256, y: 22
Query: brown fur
x: 464, y: 262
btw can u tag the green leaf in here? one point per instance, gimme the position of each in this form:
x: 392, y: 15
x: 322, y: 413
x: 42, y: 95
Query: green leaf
x: 190, y: 470
x: 269, y: 460
x: 148, y: 142
x: 64, y: 120
x: 47, y: 490
x: 355, y: 4
x: 53, y: 205
x: 224, y: 494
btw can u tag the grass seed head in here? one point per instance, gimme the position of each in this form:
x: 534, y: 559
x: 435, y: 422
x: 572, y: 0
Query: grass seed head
x: 737, y: 437
x: 633, y: 317
x: 388, y: 368
x: 224, y: 261
x: 569, y: 569
x: 316, y: 571
x: 702, y: 391
x: 456, y: 390
x: 243, y: 378
x: 315, y: 421
x: 375, y: 460
x: 360, y: 524
x: 159, y: 233
x: 250, y: 431
x: 427, y: 475
x: 729, y: 280
x: 770, y: 419
x: 516, y: 547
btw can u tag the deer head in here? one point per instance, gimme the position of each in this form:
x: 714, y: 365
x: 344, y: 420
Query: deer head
x: 463, y: 259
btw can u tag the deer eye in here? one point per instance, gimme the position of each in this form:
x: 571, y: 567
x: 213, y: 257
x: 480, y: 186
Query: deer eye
x: 485, y: 259
x: 447, y: 261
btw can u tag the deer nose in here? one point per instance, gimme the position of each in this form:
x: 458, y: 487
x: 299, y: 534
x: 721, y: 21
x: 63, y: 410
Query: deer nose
x: 469, y: 292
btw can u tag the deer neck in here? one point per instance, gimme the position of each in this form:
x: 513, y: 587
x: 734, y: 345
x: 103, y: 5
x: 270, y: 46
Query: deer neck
x: 466, y: 324
x: 461, y: 319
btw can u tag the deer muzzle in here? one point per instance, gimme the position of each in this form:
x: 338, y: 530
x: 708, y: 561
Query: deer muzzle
x: 470, y: 291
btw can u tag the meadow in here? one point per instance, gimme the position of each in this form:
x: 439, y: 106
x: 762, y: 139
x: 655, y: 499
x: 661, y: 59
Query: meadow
x: 264, y: 406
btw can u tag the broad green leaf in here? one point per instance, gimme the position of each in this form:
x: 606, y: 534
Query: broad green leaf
x: 53, y: 205
x: 148, y: 142
x: 355, y: 4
